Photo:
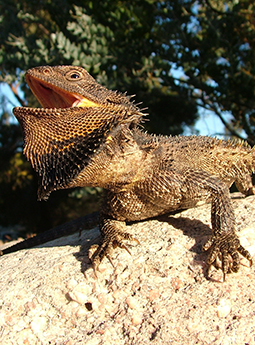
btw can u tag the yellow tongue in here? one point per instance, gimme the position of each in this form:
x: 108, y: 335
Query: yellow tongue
x: 85, y: 103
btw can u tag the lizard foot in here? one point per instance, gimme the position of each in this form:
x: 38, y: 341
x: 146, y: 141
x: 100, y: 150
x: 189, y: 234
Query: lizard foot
x: 226, y: 249
x: 113, y: 236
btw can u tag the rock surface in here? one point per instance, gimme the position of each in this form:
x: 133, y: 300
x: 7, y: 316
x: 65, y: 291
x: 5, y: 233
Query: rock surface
x: 159, y: 295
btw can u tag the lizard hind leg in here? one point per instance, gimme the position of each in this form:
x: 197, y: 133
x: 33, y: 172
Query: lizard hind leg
x: 113, y: 235
x: 245, y: 186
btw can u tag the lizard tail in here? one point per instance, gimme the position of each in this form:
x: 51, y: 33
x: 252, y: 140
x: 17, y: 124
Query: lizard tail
x: 66, y: 229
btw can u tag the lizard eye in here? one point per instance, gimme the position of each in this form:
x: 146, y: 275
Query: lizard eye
x: 73, y: 75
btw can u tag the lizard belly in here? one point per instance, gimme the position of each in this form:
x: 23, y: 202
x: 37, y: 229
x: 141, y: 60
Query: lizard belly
x: 150, y: 199
x: 132, y: 206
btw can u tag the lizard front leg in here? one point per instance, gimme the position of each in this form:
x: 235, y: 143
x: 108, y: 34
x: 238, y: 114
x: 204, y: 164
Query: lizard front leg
x: 144, y: 200
x: 224, y: 244
x: 113, y: 235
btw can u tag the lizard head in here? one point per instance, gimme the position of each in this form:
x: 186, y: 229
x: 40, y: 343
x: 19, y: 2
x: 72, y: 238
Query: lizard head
x: 70, y: 86
x: 76, y: 118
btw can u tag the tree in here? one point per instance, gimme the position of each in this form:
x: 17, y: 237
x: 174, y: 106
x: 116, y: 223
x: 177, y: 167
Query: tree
x: 213, y: 42
x: 114, y: 40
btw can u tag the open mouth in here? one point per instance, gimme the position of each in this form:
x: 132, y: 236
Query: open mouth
x: 51, y: 96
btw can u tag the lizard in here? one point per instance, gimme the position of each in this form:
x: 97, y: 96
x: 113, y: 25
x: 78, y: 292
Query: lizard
x: 88, y: 135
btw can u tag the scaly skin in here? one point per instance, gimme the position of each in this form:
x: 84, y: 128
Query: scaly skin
x: 86, y: 135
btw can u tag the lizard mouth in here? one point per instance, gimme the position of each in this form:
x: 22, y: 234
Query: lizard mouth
x: 51, y: 96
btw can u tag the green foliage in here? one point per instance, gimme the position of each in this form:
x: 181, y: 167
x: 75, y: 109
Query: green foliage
x: 116, y: 41
x: 131, y: 46
x: 213, y: 42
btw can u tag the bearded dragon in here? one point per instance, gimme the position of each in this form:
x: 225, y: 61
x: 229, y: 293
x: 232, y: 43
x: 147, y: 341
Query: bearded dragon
x: 87, y: 135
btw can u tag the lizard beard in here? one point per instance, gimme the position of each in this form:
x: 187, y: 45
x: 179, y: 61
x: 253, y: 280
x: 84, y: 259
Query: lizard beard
x: 59, y: 143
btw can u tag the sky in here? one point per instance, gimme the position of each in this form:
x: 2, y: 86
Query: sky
x: 12, y: 101
x: 208, y: 124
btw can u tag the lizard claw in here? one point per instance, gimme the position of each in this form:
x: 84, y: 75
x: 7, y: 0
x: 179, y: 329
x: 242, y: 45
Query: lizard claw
x: 226, y: 249
x: 98, y: 252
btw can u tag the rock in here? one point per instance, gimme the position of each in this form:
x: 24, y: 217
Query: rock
x: 159, y: 295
